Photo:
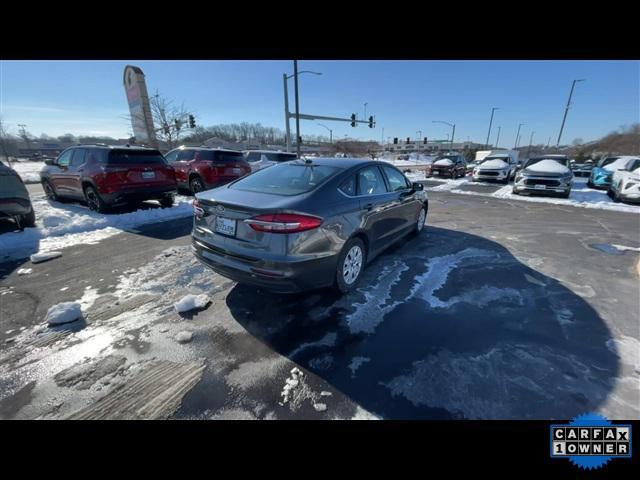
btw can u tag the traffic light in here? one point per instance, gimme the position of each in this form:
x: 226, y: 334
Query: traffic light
x: 408, y: 140
x: 177, y: 123
x: 371, y: 122
x: 192, y: 121
x: 353, y: 119
x: 425, y: 140
x: 395, y: 140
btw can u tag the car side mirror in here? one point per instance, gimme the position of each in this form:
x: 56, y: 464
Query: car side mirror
x: 417, y: 186
x: 49, y: 162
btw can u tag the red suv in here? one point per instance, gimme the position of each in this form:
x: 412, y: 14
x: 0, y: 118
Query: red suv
x: 201, y: 168
x: 104, y: 176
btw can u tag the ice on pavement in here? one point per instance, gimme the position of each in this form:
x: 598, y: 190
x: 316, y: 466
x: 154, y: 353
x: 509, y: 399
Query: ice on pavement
x: 59, y: 225
x: 43, y: 257
x: 191, y: 302
x: 64, y: 312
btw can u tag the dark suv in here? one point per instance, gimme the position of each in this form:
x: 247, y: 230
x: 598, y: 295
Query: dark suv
x: 452, y: 165
x: 105, y: 176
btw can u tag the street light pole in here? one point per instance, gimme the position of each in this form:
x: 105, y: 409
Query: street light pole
x: 286, y: 111
x: 498, y: 138
x: 453, y: 131
x: 330, y: 132
x: 517, y: 136
x: 530, y: 142
x: 295, y: 79
x: 566, y: 110
x: 490, y: 123
x: 365, y: 111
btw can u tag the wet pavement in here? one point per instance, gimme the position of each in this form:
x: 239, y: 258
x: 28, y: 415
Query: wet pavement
x: 499, y: 310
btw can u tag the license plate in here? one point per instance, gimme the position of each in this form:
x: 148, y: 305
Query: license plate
x: 148, y: 175
x: 226, y: 226
x: 539, y: 187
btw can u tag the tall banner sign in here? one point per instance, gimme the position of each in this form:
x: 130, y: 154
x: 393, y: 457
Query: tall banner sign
x: 138, y: 99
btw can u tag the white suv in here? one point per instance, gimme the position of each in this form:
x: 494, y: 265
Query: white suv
x: 625, y: 184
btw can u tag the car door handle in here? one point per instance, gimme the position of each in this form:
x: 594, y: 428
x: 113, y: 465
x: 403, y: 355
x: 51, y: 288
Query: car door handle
x: 369, y: 206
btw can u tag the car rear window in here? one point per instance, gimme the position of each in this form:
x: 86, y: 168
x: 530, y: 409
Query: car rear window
x: 222, y: 157
x: 285, y: 179
x: 128, y: 157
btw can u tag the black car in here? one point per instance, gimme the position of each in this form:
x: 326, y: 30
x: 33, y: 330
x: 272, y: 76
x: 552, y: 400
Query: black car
x: 15, y: 203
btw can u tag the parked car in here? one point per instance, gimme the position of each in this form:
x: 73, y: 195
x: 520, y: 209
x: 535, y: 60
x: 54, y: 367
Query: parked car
x: 450, y: 166
x: 625, y: 183
x: 105, y: 176
x: 549, y: 174
x: 471, y: 165
x: 602, y: 173
x: 199, y: 169
x: 14, y: 199
x: 499, y: 167
x: 259, y: 159
x: 306, y: 224
x: 581, y: 169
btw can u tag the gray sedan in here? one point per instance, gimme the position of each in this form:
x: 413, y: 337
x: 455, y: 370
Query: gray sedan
x: 306, y: 224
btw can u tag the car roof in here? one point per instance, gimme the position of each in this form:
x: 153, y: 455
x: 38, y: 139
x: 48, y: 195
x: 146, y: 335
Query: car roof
x: 340, y: 162
x: 206, y: 149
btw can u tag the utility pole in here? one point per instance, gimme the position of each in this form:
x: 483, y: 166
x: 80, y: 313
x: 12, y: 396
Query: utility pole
x: 330, y: 132
x: 365, y: 111
x: 286, y: 111
x: 295, y: 73
x: 498, y: 138
x: 517, y: 136
x: 566, y: 110
x: 490, y: 123
x: 530, y: 142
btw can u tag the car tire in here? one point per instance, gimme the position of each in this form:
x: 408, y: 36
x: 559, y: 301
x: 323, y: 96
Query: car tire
x: 196, y: 184
x: 514, y: 191
x: 353, y: 256
x: 615, y: 197
x: 94, y: 201
x: 167, y: 202
x: 420, y: 222
x: 28, y: 220
x: 49, y: 191
x: 565, y: 195
x: 589, y: 184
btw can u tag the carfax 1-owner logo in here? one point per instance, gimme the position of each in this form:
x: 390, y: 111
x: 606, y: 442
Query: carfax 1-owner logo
x: 590, y: 441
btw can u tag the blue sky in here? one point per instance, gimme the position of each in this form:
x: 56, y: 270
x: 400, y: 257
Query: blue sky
x: 87, y: 97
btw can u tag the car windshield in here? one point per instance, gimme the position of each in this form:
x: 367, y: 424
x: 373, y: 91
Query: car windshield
x: 562, y: 161
x: 608, y: 161
x: 143, y: 157
x: 286, y: 179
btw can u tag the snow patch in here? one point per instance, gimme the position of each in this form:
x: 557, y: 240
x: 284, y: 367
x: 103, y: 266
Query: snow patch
x: 444, y: 162
x: 64, y: 312
x: 184, y: 337
x: 43, y: 257
x: 25, y: 271
x: 494, y: 164
x: 191, y: 302
x: 547, y: 166
x: 356, y: 363
x: 627, y: 348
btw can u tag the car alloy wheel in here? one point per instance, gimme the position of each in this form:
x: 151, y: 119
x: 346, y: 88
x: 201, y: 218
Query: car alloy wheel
x: 421, y: 219
x: 49, y: 191
x: 352, y: 265
x: 196, y: 185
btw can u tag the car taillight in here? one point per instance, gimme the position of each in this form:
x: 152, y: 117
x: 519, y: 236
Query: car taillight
x: 198, y: 211
x: 283, y: 223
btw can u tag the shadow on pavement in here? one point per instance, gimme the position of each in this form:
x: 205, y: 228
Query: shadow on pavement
x: 447, y: 325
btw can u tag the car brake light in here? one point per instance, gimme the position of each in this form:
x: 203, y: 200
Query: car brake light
x: 283, y: 223
x: 198, y: 211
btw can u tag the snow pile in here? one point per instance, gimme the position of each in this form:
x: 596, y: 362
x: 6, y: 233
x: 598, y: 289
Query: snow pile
x: 184, y: 337
x: 61, y: 225
x: 28, y: 171
x: 546, y: 166
x: 446, y: 162
x: 494, y: 164
x: 64, y: 312
x: 291, y: 383
x: 43, y: 257
x: 25, y: 271
x: 191, y: 302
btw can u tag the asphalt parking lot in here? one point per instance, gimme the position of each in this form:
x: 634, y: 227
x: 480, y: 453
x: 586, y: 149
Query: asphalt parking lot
x: 499, y: 310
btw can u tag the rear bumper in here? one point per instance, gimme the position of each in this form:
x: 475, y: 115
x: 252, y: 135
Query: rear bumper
x: 282, y: 276
x: 138, y: 195
x: 10, y: 207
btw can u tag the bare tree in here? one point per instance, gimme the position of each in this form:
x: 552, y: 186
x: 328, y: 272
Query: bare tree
x: 7, y: 142
x: 171, y: 121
